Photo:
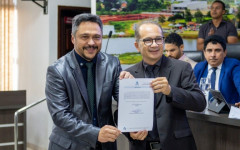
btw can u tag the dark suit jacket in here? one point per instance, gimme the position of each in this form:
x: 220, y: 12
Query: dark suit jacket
x: 69, y: 106
x: 173, y: 128
x: 229, y: 80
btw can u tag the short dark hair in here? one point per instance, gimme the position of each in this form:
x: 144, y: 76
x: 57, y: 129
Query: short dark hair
x: 221, y: 2
x: 175, y: 39
x: 85, y: 17
x: 138, y: 25
x: 215, y: 39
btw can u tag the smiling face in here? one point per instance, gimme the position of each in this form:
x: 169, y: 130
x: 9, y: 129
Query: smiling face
x: 151, y: 54
x: 88, y: 40
x: 214, y: 54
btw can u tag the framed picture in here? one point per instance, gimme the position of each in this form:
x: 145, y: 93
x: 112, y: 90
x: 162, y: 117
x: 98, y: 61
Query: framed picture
x: 181, y: 16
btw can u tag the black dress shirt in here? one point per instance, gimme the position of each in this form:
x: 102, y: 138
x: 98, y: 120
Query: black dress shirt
x: 82, y: 62
x: 153, y: 135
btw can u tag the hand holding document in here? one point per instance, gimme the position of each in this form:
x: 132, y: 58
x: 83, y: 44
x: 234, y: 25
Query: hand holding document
x: 135, y: 106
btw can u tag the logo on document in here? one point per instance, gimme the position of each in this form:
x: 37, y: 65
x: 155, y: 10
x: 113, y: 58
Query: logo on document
x: 136, y: 84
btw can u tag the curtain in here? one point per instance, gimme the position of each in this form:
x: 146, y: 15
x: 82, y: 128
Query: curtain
x: 7, y: 43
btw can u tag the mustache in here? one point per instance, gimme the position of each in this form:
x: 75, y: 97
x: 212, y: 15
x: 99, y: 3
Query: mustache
x: 94, y: 47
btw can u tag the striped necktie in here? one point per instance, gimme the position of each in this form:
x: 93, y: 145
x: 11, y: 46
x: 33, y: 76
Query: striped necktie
x: 213, y: 81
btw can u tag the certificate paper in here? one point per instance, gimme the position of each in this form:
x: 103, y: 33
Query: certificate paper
x: 135, y: 105
x: 234, y: 113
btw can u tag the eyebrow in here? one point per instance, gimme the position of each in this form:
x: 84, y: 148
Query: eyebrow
x: 170, y: 49
x: 89, y: 34
x: 217, y: 49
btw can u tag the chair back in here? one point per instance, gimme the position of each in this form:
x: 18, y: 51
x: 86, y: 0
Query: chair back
x: 195, y: 55
x: 233, y: 51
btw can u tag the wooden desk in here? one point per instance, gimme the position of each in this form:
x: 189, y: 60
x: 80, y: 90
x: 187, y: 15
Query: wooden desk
x: 11, y: 101
x: 214, y: 131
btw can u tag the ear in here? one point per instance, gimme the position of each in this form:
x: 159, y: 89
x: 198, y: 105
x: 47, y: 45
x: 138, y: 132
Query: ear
x: 204, y: 53
x: 137, y: 46
x: 224, y: 11
x: 73, y: 39
x: 182, y: 47
x: 225, y: 53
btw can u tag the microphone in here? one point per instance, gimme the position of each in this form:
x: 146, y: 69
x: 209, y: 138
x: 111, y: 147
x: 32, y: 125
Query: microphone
x: 109, y: 36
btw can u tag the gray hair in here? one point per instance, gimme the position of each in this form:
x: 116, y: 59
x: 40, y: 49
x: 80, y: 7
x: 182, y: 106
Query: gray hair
x: 137, y: 34
x: 85, y: 17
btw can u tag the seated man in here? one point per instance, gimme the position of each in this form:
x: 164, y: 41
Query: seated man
x: 225, y: 71
x: 217, y: 26
x: 174, y: 48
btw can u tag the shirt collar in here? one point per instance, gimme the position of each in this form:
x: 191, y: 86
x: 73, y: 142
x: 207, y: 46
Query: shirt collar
x: 82, y: 61
x: 158, y: 63
x: 182, y: 57
x: 218, y: 67
x: 222, y: 22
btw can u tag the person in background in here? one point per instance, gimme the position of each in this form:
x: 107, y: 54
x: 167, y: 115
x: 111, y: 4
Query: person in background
x: 217, y: 26
x: 174, y: 48
x: 176, y: 91
x: 224, y: 72
x: 79, y: 91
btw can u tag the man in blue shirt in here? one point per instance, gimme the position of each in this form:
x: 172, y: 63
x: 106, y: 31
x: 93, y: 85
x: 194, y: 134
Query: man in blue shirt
x: 226, y: 70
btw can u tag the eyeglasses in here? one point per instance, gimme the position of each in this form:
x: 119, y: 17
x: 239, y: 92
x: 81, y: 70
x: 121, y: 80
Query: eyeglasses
x: 149, y: 41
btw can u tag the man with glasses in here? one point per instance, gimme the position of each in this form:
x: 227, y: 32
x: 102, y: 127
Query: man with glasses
x: 217, y: 26
x: 176, y: 91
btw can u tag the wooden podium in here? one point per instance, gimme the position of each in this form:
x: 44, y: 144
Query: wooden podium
x: 11, y: 101
x: 214, y: 131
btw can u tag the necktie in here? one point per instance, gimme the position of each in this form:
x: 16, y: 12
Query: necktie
x: 152, y: 135
x: 213, y: 80
x: 90, y: 84
x: 149, y: 71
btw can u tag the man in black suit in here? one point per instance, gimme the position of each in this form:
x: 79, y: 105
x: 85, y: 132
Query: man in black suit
x: 176, y: 91
x: 79, y: 91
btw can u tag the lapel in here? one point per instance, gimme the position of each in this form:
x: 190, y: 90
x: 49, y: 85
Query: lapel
x: 77, y: 74
x: 139, y: 70
x: 99, y: 76
x: 164, y: 71
x: 203, y: 72
x: 221, y: 75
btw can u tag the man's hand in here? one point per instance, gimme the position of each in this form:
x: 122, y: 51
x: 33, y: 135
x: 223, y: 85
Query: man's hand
x: 108, y: 134
x: 140, y: 135
x: 125, y: 75
x: 237, y: 104
x: 160, y: 84
x: 211, y: 32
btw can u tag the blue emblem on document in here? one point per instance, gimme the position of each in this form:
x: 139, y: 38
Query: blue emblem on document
x: 136, y: 84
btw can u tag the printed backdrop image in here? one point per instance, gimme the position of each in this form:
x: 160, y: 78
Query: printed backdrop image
x: 181, y: 16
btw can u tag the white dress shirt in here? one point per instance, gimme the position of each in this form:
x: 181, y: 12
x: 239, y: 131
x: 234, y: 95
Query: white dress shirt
x: 218, y: 71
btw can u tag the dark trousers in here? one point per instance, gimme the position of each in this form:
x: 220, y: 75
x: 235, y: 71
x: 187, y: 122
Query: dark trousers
x: 98, y: 146
x: 142, y: 145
